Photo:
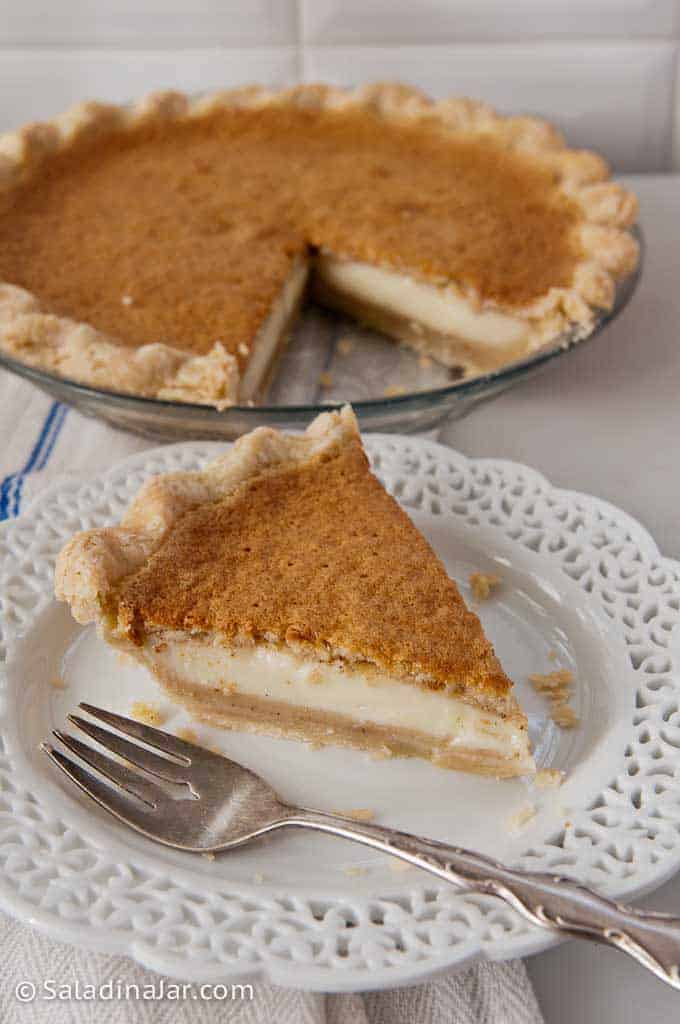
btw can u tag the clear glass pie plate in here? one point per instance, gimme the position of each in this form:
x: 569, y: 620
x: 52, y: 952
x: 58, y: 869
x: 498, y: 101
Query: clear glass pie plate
x: 329, y: 360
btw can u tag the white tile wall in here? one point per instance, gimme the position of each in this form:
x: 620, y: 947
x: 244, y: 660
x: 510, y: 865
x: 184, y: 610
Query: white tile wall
x: 428, y: 21
x: 148, y: 23
x: 614, y: 97
x: 37, y: 83
x: 604, y: 70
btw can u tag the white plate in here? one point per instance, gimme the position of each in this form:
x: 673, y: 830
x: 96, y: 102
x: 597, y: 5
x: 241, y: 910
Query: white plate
x: 580, y: 578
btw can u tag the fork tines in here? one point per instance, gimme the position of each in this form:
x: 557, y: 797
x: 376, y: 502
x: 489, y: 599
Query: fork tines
x: 172, y: 764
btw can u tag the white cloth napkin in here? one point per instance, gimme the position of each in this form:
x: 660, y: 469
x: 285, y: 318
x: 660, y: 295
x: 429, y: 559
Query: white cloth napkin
x: 41, y: 440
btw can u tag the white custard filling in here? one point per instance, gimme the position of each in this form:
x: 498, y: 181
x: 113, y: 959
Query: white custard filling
x: 365, y: 696
x: 435, y: 308
x: 270, y: 334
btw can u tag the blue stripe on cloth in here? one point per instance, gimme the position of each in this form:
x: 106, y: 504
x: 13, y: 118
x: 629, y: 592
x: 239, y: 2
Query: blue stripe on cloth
x: 51, y: 440
x: 10, y: 488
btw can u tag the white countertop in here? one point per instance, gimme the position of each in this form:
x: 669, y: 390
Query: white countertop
x: 605, y: 419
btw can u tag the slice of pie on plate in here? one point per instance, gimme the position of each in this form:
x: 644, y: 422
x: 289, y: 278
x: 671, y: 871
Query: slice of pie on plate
x: 283, y: 590
x: 163, y: 249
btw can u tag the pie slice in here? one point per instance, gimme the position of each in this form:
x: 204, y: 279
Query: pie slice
x: 164, y: 248
x: 283, y: 590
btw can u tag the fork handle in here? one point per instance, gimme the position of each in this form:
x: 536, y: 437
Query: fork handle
x: 550, y: 901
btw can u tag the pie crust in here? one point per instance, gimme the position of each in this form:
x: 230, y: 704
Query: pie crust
x: 383, y: 204
x: 282, y: 589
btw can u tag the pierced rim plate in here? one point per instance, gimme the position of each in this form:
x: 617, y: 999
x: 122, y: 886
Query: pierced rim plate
x: 584, y: 587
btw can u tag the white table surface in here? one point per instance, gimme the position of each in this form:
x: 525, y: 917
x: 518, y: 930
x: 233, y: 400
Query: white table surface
x: 605, y: 419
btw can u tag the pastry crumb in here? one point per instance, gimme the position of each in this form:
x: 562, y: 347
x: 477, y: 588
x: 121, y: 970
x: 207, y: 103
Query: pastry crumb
x: 355, y: 872
x: 564, y: 716
x: 425, y: 362
x: 383, y: 753
x: 345, y: 346
x: 259, y: 878
x: 187, y: 734
x: 148, y: 714
x: 208, y: 856
x: 325, y: 380
x: 557, y: 686
x: 357, y: 814
x: 394, y: 391
x: 547, y: 778
x: 57, y: 683
x: 398, y: 866
x: 518, y: 820
x: 552, y: 654
x: 483, y: 584
x: 561, y: 678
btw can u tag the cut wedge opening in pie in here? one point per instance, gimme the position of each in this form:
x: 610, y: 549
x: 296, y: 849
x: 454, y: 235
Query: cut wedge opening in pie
x: 283, y: 590
x: 164, y: 248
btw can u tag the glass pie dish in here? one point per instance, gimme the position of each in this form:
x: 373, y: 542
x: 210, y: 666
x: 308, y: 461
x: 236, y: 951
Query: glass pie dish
x: 330, y: 360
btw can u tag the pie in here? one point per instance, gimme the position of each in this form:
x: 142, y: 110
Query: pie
x: 164, y: 249
x: 283, y: 590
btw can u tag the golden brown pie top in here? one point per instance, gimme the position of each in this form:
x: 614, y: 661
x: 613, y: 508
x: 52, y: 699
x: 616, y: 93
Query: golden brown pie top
x: 183, y: 231
x: 285, y: 540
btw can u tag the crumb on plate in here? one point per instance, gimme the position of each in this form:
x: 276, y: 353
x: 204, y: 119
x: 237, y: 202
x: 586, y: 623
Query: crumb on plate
x: 564, y: 716
x: 548, y: 778
x: 483, y: 584
x: 357, y: 814
x: 394, y: 391
x: 187, y: 734
x: 325, y: 380
x: 345, y: 346
x: 355, y: 872
x: 148, y: 714
x: 519, y: 819
x: 557, y: 687
x: 398, y: 865
x: 57, y: 683
x: 560, y: 679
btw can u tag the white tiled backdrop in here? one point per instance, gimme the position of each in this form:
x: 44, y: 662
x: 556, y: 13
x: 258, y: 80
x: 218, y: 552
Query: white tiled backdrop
x: 604, y: 70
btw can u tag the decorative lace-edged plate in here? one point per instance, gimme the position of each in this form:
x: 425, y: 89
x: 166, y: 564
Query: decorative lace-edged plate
x: 584, y: 587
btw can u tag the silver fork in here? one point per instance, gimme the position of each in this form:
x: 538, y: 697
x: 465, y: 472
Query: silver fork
x: 205, y: 803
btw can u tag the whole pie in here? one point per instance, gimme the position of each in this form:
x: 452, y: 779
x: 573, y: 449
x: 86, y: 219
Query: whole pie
x: 283, y: 590
x: 163, y: 249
